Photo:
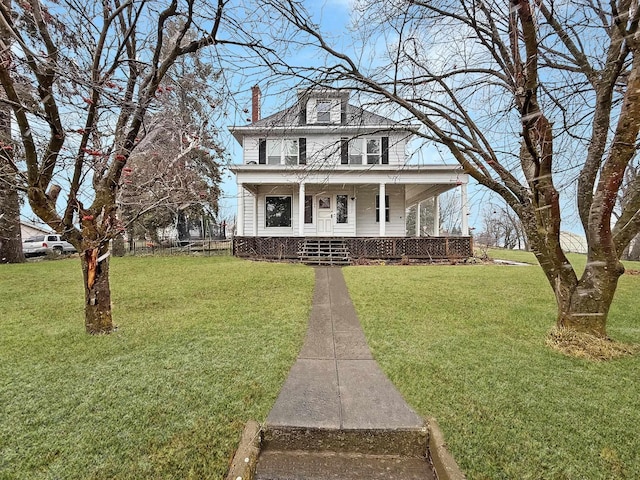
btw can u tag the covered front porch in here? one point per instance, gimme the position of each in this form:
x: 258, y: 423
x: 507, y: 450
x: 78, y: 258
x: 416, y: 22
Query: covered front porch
x: 373, y: 203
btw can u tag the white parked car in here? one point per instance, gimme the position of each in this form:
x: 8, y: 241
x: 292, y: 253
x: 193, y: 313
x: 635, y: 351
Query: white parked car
x: 42, y: 244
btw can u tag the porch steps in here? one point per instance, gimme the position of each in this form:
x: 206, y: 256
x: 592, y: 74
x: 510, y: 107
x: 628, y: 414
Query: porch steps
x: 324, y: 251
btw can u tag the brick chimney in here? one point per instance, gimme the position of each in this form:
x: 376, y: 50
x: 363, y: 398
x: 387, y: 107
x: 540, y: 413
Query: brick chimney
x: 255, y: 103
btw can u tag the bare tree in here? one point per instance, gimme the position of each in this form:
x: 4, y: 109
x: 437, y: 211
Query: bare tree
x: 502, y: 228
x: 632, y: 250
x: 80, y: 79
x: 528, y: 96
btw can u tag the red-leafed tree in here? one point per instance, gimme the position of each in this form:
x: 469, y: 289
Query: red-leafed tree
x: 534, y: 98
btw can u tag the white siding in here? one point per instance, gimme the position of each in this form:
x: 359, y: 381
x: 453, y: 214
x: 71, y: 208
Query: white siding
x: 339, y: 229
x: 397, y: 148
x: 366, y: 211
x: 248, y: 213
x: 323, y: 150
x: 250, y: 149
x: 312, y: 114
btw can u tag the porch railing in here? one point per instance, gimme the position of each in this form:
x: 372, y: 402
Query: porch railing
x: 383, y: 248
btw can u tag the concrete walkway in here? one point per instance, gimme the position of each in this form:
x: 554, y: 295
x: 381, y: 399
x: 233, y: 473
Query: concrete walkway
x: 337, y: 409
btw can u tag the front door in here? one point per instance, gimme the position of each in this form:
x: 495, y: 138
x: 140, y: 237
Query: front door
x: 325, y: 216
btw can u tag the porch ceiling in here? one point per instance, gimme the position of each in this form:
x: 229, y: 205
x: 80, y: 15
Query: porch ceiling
x: 414, y: 193
x: 419, y: 193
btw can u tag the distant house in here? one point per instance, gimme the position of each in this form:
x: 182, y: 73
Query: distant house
x: 324, y: 171
x: 28, y: 229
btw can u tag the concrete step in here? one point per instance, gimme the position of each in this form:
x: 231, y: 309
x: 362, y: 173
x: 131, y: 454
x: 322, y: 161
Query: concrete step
x: 324, y: 259
x: 409, y: 442
x: 300, y: 465
x: 324, y: 251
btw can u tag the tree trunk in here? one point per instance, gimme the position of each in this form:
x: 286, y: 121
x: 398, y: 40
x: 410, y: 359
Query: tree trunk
x: 182, y: 227
x: 97, y: 294
x: 10, y: 236
x: 583, y: 306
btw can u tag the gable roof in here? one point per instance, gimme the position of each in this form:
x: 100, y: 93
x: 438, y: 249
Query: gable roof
x: 356, y: 119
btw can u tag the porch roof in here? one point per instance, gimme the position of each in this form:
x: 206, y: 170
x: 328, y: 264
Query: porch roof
x: 446, y: 175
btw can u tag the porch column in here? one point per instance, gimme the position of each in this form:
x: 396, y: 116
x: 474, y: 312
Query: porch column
x: 464, y: 210
x: 436, y: 215
x: 240, y: 218
x: 301, y: 210
x: 255, y: 214
x: 418, y: 226
x: 382, y: 208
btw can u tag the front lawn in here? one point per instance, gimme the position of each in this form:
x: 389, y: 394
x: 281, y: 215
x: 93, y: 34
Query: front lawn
x: 203, y: 345
x: 465, y: 344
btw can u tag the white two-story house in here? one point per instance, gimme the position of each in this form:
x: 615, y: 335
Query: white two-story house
x: 326, y: 169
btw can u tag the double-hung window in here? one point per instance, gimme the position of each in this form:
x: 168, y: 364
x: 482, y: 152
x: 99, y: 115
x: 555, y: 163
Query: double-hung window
x: 373, y: 150
x: 323, y: 111
x: 288, y: 151
x: 367, y: 150
x: 282, y: 152
x: 355, y: 151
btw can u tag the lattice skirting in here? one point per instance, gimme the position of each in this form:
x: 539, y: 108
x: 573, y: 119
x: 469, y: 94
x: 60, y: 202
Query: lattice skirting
x: 426, y: 248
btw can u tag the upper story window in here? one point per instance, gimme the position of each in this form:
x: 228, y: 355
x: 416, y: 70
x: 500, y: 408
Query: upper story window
x: 323, y: 110
x: 366, y: 150
x: 282, y: 152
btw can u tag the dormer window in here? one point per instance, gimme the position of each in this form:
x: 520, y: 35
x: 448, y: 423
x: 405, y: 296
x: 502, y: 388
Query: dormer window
x: 323, y: 109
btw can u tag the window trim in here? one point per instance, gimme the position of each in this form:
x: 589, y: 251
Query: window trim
x: 324, y: 202
x: 283, y: 155
x: 387, y: 209
x: 308, y: 209
x: 361, y: 143
x: 342, y: 219
x: 300, y: 155
x: 266, y: 211
x: 326, y: 112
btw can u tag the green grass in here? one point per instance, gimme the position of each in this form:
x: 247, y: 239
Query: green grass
x: 465, y: 344
x: 577, y: 260
x: 203, y: 345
